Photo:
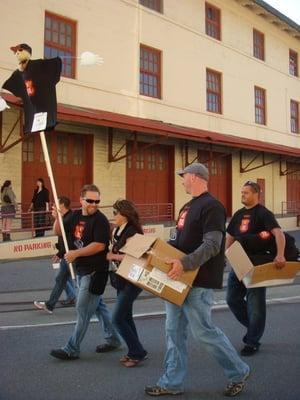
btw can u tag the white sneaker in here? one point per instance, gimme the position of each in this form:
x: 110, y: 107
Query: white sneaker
x: 41, y: 305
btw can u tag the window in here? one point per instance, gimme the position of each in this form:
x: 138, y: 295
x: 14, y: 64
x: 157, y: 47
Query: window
x: 28, y: 149
x: 60, y: 40
x: 62, y: 150
x: 150, y: 74
x: 78, y: 151
x: 212, y: 21
x: 260, y: 105
x: 258, y: 45
x: 156, y: 5
x: 293, y: 63
x: 213, y: 91
x: 162, y: 160
x: 139, y: 162
x: 48, y: 143
x: 152, y: 159
x: 294, y: 116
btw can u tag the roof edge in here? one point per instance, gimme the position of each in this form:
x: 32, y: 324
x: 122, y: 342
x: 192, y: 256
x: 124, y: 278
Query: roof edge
x: 68, y: 113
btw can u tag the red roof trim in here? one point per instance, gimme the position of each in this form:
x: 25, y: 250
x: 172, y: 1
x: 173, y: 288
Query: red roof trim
x: 106, y: 118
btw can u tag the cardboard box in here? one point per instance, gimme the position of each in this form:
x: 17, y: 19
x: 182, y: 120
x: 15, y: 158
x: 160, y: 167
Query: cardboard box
x: 144, y: 265
x: 260, y: 275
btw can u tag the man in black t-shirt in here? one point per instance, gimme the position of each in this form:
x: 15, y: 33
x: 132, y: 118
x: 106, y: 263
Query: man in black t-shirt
x: 253, y: 225
x: 200, y: 233
x: 63, y: 280
x: 89, y: 233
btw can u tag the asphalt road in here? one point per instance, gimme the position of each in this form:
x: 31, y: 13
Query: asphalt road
x: 28, y: 372
x: 27, y: 335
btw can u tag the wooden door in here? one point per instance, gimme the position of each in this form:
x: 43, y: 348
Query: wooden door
x: 220, y: 182
x: 262, y: 195
x: 293, y: 183
x: 149, y: 174
x: 71, y: 157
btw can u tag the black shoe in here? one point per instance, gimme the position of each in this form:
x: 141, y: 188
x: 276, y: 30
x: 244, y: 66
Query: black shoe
x: 62, y: 355
x: 68, y: 302
x: 249, y: 350
x: 106, y: 347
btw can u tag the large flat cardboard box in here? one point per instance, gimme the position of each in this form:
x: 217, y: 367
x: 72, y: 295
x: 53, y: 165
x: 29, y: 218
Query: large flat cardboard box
x: 144, y: 265
x: 260, y: 275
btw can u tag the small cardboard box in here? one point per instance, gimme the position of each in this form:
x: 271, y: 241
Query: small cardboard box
x: 144, y: 265
x: 260, y: 275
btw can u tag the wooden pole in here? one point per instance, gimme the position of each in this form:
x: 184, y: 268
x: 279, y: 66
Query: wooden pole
x: 50, y: 174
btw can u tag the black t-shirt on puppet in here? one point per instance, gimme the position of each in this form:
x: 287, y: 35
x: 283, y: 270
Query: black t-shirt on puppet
x: 201, y: 215
x: 36, y: 87
x: 85, y: 229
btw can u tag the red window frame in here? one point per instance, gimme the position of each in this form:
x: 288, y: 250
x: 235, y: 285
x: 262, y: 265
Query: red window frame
x: 293, y: 63
x: 260, y: 105
x: 60, y: 40
x: 258, y: 45
x: 156, y: 5
x: 212, y: 21
x: 150, y: 72
x: 294, y: 116
x: 213, y: 91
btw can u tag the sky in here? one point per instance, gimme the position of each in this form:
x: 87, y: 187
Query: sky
x: 290, y: 8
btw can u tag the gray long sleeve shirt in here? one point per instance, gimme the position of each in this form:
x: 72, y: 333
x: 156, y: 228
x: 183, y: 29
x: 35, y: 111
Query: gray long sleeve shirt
x: 209, y: 248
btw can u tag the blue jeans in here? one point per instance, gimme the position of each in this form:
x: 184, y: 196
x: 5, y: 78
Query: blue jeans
x: 123, y: 320
x: 249, y: 307
x: 70, y: 289
x: 196, y: 311
x: 87, y: 305
x: 63, y: 281
x: 104, y: 316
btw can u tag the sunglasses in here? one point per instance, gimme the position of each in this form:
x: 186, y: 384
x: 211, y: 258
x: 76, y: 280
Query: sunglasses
x: 90, y: 201
x: 255, y: 186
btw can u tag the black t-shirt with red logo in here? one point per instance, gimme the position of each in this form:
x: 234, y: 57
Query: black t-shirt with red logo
x: 36, y: 87
x: 252, y: 220
x: 252, y: 228
x: 201, y: 215
x: 85, y: 229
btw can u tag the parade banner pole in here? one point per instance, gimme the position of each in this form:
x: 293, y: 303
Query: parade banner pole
x: 50, y: 174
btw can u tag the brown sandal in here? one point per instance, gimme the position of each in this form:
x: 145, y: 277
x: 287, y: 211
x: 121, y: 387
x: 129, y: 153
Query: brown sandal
x: 130, y: 362
x: 124, y: 358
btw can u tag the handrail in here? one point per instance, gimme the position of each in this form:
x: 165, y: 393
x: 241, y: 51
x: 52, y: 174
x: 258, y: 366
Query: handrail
x: 290, y: 207
x: 149, y: 213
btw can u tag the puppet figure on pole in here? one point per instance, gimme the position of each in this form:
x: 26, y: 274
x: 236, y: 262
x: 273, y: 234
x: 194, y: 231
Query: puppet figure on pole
x: 34, y: 82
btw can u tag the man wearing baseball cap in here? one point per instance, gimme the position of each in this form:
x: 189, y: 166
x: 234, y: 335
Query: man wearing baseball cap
x: 20, y: 47
x: 200, y: 234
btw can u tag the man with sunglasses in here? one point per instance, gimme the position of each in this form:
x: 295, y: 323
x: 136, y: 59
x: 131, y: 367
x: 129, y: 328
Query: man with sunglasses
x: 253, y: 226
x: 89, y: 231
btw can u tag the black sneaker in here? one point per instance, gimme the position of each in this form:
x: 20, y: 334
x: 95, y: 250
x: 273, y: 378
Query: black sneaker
x: 249, y: 350
x: 62, y: 355
x: 106, y: 347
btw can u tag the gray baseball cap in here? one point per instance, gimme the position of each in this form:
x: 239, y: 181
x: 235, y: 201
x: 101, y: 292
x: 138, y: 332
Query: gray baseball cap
x: 197, y: 169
